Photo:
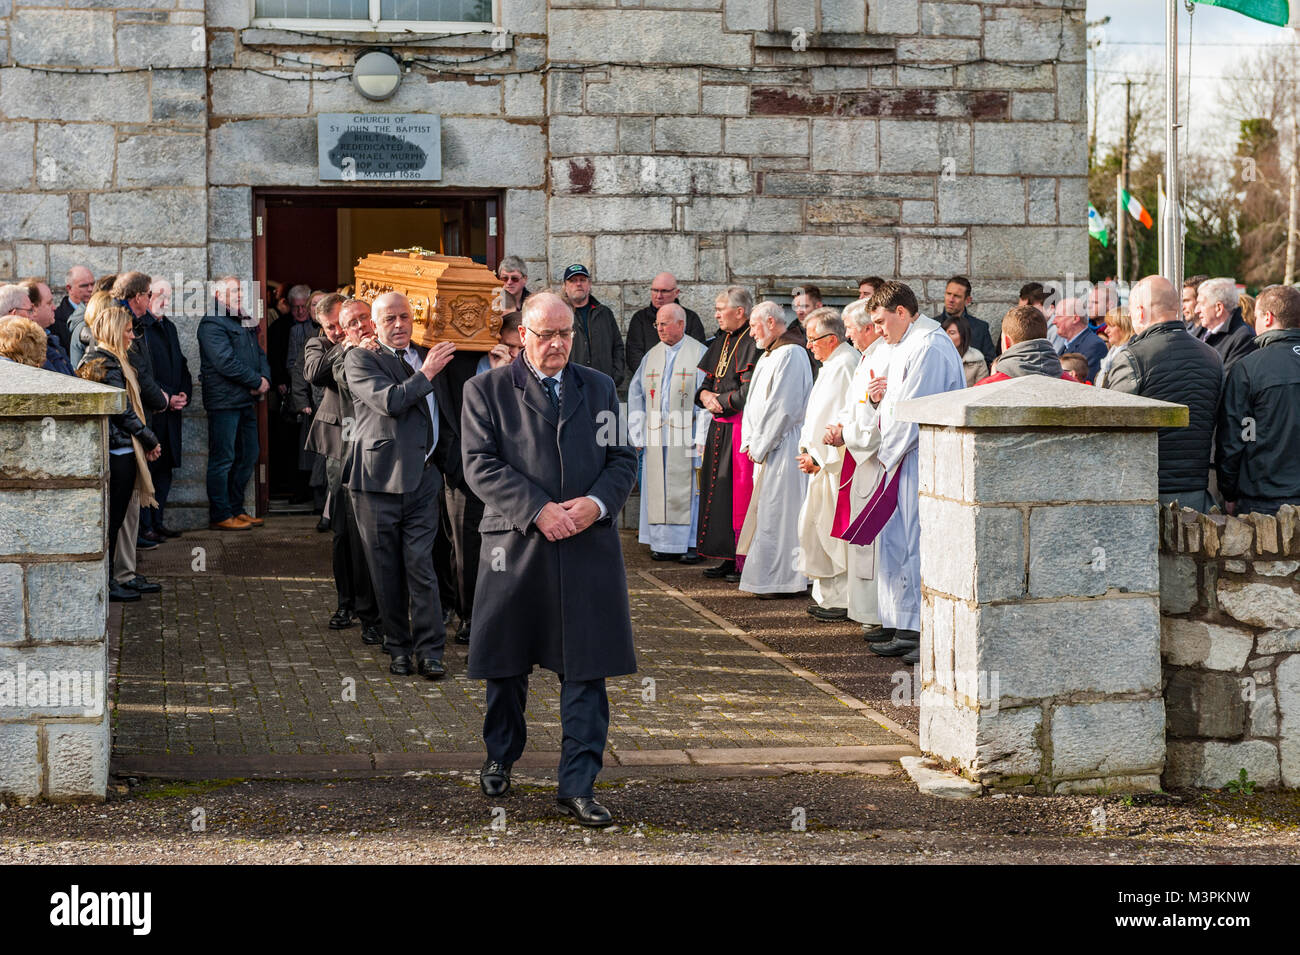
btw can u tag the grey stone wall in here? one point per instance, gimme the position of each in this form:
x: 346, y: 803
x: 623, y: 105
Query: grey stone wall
x: 731, y: 141
x: 54, y: 724
x: 1230, y: 642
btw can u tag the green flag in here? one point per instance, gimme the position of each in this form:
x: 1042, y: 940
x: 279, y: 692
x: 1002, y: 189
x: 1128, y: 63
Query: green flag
x: 1276, y: 12
x: 1096, y: 227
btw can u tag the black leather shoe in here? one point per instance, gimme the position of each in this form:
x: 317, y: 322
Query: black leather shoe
x: 878, y: 634
x: 462, y: 633
x: 323, y: 525
x: 142, y: 585
x: 342, y: 619
x: 144, y: 543
x: 903, y: 642
x: 119, y: 594
x: 401, y: 665
x: 659, y: 555
x: 732, y: 578
x: 168, y: 532
x: 786, y: 596
x: 586, y: 810
x: 829, y: 614
x: 432, y: 669
x: 372, y: 636
x: 912, y: 657
x: 724, y: 569
x: 494, y: 778
x: 690, y: 557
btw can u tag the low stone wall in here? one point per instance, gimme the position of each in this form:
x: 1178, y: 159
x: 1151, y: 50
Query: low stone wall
x: 54, y: 721
x: 1230, y: 646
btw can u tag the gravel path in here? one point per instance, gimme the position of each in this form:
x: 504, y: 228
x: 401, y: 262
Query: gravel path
x: 747, y: 819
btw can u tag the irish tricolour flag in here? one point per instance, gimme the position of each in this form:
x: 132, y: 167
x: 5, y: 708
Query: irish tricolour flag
x: 1277, y: 12
x: 1135, y: 208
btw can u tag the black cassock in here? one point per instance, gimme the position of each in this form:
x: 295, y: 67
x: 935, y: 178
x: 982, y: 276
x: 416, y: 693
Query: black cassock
x: 727, y: 364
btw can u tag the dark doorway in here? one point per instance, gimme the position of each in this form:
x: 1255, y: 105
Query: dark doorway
x: 314, y: 237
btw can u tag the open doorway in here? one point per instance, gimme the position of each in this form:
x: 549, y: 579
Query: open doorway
x: 314, y: 237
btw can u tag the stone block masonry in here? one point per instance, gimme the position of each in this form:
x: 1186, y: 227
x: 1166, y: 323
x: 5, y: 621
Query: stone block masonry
x: 1230, y: 645
x: 911, y: 140
x: 1040, y: 619
x: 54, y: 724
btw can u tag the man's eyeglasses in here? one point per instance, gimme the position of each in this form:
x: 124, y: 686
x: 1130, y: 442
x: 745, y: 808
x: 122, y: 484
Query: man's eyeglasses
x: 820, y: 337
x: 564, y: 335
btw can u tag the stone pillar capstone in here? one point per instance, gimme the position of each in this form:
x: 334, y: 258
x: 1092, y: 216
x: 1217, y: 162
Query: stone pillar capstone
x: 1040, y: 619
x: 54, y: 721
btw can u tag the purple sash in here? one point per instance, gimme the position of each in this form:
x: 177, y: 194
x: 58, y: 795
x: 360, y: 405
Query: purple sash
x: 871, y: 520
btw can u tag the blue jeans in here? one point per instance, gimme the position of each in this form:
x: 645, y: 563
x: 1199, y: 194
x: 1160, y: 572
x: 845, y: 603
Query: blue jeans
x: 232, y: 455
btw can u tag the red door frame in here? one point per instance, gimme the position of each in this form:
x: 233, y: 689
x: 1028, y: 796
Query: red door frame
x: 368, y: 197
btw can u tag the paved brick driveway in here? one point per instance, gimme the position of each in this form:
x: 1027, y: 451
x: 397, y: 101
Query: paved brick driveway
x: 234, y: 660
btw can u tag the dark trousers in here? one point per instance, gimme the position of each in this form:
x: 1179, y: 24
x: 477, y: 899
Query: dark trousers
x: 444, y: 560
x: 151, y: 518
x: 232, y: 455
x: 397, y: 532
x: 584, y: 721
x: 464, y: 513
x: 351, y: 575
x: 1260, y: 505
x: 121, y: 485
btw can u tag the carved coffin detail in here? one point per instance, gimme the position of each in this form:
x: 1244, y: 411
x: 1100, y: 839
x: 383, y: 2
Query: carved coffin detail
x: 451, y: 296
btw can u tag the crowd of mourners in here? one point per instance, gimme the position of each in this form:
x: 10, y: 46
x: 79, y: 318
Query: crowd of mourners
x: 768, y: 441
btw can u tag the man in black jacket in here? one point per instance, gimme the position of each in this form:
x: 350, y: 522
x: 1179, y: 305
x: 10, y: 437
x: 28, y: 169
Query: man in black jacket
x: 956, y: 303
x: 1225, y: 330
x: 172, y: 373
x: 596, y: 339
x: 235, y: 375
x: 641, y: 334
x: 1164, y: 362
x: 81, y: 283
x: 1259, y: 422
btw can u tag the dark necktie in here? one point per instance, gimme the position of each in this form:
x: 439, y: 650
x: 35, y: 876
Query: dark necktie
x: 428, y: 421
x: 552, y: 392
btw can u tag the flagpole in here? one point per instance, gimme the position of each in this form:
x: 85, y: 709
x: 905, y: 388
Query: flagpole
x: 1171, y: 217
x: 1120, y: 212
x: 1160, y: 221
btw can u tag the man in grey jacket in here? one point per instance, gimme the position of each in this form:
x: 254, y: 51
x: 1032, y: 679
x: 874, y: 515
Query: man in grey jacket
x: 395, y: 484
x: 235, y: 375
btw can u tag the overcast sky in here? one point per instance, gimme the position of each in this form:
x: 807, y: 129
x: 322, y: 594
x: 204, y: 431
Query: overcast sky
x: 1134, y: 44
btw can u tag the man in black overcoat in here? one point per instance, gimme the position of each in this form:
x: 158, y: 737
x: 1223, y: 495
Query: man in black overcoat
x: 540, y: 443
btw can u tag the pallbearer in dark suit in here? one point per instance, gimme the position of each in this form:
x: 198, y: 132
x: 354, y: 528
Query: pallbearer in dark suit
x: 322, y: 360
x: 540, y: 444
x: 396, y: 484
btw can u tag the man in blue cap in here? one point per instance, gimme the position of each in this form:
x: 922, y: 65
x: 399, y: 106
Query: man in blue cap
x: 597, y: 342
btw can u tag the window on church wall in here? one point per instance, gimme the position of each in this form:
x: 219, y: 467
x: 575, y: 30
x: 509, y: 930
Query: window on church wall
x: 424, y: 16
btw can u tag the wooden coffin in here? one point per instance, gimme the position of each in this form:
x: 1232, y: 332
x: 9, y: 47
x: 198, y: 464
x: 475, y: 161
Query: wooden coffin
x: 452, y: 297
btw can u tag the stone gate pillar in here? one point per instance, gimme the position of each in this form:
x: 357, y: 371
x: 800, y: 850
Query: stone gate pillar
x: 1040, y: 619
x: 54, y: 721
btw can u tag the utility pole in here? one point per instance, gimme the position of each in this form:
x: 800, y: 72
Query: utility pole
x: 1295, y: 181
x: 1121, y: 182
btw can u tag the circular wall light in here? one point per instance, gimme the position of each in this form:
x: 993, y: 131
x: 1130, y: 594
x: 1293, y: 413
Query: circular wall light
x: 376, y: 75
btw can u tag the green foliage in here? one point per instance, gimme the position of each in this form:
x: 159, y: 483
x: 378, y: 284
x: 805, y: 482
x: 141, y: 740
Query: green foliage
x: 1243, y: 785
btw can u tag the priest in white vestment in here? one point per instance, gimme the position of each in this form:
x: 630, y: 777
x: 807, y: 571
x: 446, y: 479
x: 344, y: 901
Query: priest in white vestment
x: 822, y: 557
x: 855, y: 430
x: 773, y: 417
x: 665, y: 421
x: 922, y: 361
